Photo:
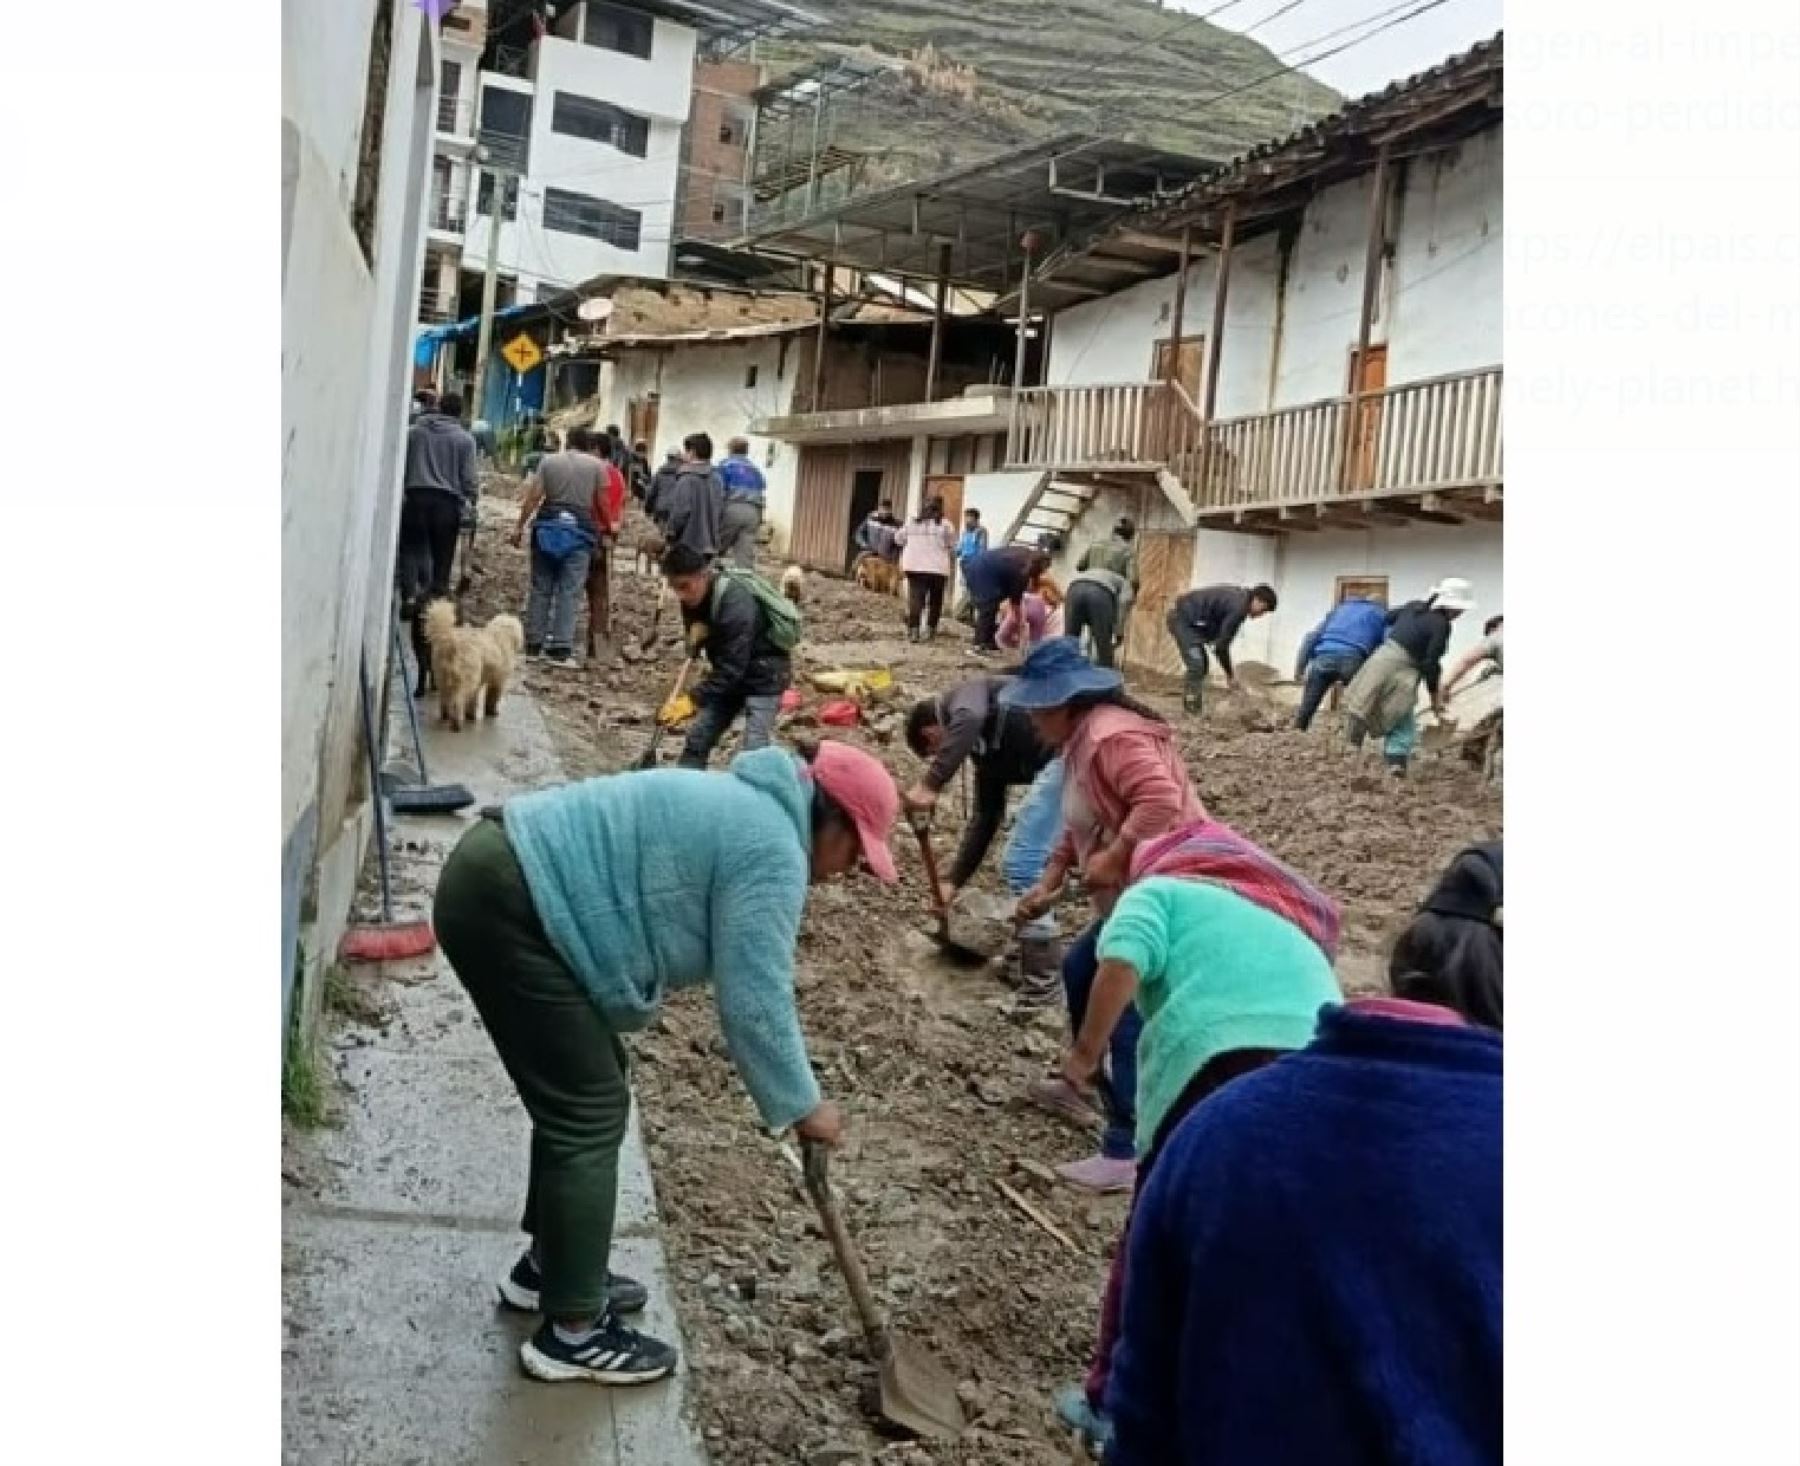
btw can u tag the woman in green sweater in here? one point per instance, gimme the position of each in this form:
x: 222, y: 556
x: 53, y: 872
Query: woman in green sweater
x: 1226, y: 954
x: 570, y: 917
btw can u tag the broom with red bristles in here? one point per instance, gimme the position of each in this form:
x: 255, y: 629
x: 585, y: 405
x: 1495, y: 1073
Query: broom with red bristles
x: 392, y: 940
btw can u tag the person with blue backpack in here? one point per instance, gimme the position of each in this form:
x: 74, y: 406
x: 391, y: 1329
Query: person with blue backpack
x: 1334, y: 652
x: 747, y: 630
x: 559, y: 508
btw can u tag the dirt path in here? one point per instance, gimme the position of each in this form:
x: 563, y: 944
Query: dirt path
x: 926, y: 1060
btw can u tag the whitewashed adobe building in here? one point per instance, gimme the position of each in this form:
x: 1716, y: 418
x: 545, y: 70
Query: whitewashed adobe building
x: 1291, y: 372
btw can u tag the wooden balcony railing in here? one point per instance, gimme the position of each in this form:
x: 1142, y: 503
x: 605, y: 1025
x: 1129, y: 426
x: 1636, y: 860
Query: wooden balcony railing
x: 1092, y: 426
x: 1443, y: 432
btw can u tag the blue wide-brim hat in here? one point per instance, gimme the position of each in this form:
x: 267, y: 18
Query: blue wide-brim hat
x: 1055, y: 673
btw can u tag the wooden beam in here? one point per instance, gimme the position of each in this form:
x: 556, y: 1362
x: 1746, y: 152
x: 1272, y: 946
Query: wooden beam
x: 818, y: 377
x: 1124, y: 264
x: 1141, y: 240
x: 1291, y: 518
x: 1374, y: 249
x: 937, y: 322
x: 1215, y: 346
x: 1173, y: 357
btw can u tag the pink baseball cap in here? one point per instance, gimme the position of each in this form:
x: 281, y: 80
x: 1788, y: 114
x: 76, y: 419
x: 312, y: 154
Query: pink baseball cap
x: 866, y: 791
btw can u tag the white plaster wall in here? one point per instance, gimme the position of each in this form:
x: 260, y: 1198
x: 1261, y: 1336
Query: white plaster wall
x: 998, y: 496
x: 660, y: 86
x: 1112, y: 339
x: 702, y: 390
x: 1448, y: 272
x: 1413, y: 557
x: 346, y: 329
x: 1439, y: 309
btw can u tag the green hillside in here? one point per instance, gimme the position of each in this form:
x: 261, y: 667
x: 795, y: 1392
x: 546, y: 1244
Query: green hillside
x: 977, y: 76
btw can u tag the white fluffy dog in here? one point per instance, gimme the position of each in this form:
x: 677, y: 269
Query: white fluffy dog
x: 470, y: 665
x: 793, y: 584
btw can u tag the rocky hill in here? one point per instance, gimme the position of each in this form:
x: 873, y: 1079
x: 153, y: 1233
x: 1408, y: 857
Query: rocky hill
x: 978, y: 77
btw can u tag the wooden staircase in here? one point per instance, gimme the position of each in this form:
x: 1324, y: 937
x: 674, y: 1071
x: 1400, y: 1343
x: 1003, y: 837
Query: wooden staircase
x: 1058, y: 500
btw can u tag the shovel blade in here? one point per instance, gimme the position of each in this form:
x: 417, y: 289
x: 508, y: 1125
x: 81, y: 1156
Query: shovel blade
x: 918, y: 1394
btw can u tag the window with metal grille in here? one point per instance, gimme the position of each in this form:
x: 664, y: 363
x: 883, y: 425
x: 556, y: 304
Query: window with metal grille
x: 577, y: 213
x: 484, y: 197
x: 613, y: 28
x: 600, y: 122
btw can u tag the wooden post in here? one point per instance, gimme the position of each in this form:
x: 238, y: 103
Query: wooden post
x: 1171, y: 362
x: 1374, y: 249
x: 818, y: 377
x: 937, y: 323
x: 1029, y: 242
x: 1215, y: 342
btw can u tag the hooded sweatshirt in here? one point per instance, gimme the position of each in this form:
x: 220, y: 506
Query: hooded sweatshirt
x: 440, y: 457
x: 1125, y: 777
x: 651, y: 881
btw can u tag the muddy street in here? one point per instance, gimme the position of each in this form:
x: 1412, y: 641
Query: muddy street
x: 927, y: 1058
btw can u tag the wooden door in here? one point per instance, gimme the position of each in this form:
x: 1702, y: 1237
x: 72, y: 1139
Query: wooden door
x: 1165, y: 571
x: 1366, y: 375
x: 641, y: 414
x: 949, y: 488
x: 1190, y: 360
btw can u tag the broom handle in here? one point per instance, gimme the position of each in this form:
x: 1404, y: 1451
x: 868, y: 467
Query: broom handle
x: 412, y: 710
x: 381, y: 844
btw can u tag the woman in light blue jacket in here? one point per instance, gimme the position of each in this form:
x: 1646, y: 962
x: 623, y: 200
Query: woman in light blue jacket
x: 570, y: 917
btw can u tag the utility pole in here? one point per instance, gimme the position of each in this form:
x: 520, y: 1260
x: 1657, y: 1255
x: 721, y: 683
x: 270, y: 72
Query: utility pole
x: 490, y: 284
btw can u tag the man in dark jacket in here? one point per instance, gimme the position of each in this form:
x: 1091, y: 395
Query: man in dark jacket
x: 691, y: 511
x: 440, y: 482
x: 1213, y: 616
x: 996, y: 577
x: 1335, y: 650
x: 967, y: 723
x: 637, y: 476
x: 749, y: 672
x: 662, y: 485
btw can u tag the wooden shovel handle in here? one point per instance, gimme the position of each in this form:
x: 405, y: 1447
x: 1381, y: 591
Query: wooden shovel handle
x: 929, y: 856
x: 815, y: 1168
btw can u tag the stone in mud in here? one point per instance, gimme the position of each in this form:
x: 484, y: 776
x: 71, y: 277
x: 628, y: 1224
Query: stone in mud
x: 981, y: 922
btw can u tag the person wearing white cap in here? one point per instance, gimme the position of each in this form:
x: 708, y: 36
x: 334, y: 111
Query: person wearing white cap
x: 1382, y: 696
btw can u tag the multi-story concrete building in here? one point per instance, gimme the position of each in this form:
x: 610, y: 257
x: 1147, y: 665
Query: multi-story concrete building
x: 581, y: 112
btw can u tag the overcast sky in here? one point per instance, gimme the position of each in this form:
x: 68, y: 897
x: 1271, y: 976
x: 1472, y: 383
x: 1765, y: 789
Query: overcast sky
x: 1412, y: 45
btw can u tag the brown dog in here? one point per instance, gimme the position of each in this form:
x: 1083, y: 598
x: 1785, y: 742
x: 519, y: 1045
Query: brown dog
x: 874, y: 573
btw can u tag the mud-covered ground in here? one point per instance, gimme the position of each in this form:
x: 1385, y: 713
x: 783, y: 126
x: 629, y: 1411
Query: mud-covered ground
x: 928, y: 1059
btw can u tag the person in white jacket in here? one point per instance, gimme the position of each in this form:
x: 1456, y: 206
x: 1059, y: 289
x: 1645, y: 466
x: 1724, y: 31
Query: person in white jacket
x: 927, y: 547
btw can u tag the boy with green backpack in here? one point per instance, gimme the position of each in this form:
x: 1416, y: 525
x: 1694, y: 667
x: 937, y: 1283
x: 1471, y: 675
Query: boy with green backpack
x: 747, y: 629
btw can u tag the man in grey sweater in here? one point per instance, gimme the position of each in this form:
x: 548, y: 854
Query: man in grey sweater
x: 440, y: 484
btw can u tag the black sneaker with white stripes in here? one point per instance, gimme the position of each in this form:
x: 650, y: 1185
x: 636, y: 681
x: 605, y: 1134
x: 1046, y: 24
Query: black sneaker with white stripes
x: 611, y: 1355
x: 520, y: 1289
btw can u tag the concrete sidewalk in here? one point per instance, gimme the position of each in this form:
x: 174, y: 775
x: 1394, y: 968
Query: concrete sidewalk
x: 395, y: 1351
